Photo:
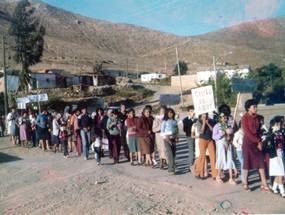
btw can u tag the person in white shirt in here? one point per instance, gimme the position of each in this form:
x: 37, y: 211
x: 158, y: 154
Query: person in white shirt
x: 12, y: 123
x: 96, y: 147
x: 237, y: 142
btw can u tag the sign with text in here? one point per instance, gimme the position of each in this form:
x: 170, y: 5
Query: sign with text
x: 38, y: 98
x: 21, y: 106
x: 203, y: 99
x: 242, y: 85
x: 169, y: 99
x: 22, y: 100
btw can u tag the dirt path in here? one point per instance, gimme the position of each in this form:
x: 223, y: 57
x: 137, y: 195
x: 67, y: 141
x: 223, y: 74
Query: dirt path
x: 37, y: 182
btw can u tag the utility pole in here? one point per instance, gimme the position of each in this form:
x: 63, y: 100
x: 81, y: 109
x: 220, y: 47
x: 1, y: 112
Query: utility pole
x: 5, y: 78
x: 178, y: 67
x: 127, y: 66
x: 57, y: 57
x: 94, y: 62
x: 216, y: 90
x: 165, y: 66
x: 137, y: 72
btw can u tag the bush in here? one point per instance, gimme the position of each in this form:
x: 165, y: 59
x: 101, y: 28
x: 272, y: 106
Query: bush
x: 125, y: 94
x: 146, y: 93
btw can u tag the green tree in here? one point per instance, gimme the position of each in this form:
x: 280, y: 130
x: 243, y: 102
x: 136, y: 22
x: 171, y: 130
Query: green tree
x: 98, y: 69
x: 28, y: 36
x: 270, y: 84
x: 224, y: 90
x: 183, y: 68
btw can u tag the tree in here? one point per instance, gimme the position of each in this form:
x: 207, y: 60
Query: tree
x: 224, y: 90
x: 183, y: 68
x: 28, y: 36
x: 270, y: 84
x: 98, y: 69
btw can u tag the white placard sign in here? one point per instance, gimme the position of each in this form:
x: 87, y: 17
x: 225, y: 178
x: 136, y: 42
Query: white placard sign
x: 21, y: 106
x: 203, y: 99
x: 22, y: 100
x: 38, y: 98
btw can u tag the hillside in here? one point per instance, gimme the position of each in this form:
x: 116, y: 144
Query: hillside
x: 74, y: 43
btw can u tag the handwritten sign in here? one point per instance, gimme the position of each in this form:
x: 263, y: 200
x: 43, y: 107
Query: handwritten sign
x: 203, y: 99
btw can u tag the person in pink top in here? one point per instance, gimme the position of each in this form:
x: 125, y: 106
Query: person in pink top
x: 133, y: 143
x: 76, y: 139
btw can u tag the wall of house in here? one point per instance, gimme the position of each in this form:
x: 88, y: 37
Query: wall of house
x: 187, y: 81
x: 45, y: 81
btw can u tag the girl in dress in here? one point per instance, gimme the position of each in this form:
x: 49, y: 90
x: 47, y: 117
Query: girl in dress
x: 25, y: 130
x: 96, y: 148
x: 132, y: 137
x: 275, y: 147
x: 224, y: 160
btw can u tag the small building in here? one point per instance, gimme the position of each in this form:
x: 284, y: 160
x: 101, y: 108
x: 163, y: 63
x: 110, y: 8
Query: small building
x: 12, y: 83
x: 152, y: 76
x: 42, y: 81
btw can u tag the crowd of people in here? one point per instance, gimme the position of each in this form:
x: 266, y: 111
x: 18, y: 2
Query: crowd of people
x: 220, y: 142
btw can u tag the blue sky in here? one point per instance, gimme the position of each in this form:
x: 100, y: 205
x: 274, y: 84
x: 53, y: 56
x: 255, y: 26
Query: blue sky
x: 180, y: 17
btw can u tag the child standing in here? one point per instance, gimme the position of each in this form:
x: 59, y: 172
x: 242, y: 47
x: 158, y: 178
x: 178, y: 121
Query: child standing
x: 63, y: 136
x: 275, y: 147
x: 224, y: 159
x: 237, y: 142
x: 96, y: 147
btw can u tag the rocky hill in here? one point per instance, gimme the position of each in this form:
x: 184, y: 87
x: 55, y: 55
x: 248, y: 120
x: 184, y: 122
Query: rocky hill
x: 75, y: 43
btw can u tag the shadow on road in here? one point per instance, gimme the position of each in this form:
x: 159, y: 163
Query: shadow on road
x: 8, y: 158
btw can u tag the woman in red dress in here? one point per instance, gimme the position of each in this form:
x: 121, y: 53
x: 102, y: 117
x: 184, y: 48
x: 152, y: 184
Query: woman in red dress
x: 252, y: 145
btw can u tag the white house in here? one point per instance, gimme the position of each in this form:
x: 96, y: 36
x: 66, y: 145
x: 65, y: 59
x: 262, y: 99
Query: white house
x: 205, y: 75
x: 149, y: 77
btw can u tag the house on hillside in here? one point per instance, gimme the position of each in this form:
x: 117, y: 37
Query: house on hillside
x: 152, y: 76
x: 206, y: 74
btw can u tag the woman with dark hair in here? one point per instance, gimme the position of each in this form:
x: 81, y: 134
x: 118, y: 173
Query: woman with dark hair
x: 114, y: 127
x: 156, y: 128
x: 146, y: 136
x: 252, y: 145
x: 25, y: 130
x: 97, y: 121
x: 133, y: 144
x: 205, y: 128
x: 169, y: 130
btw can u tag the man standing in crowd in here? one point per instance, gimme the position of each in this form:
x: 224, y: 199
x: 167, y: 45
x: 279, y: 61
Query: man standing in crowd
x: 84, y: 124
x: 187, y: 126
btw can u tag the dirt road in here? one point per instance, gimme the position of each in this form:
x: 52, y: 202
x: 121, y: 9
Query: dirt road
x: 37, y: 182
